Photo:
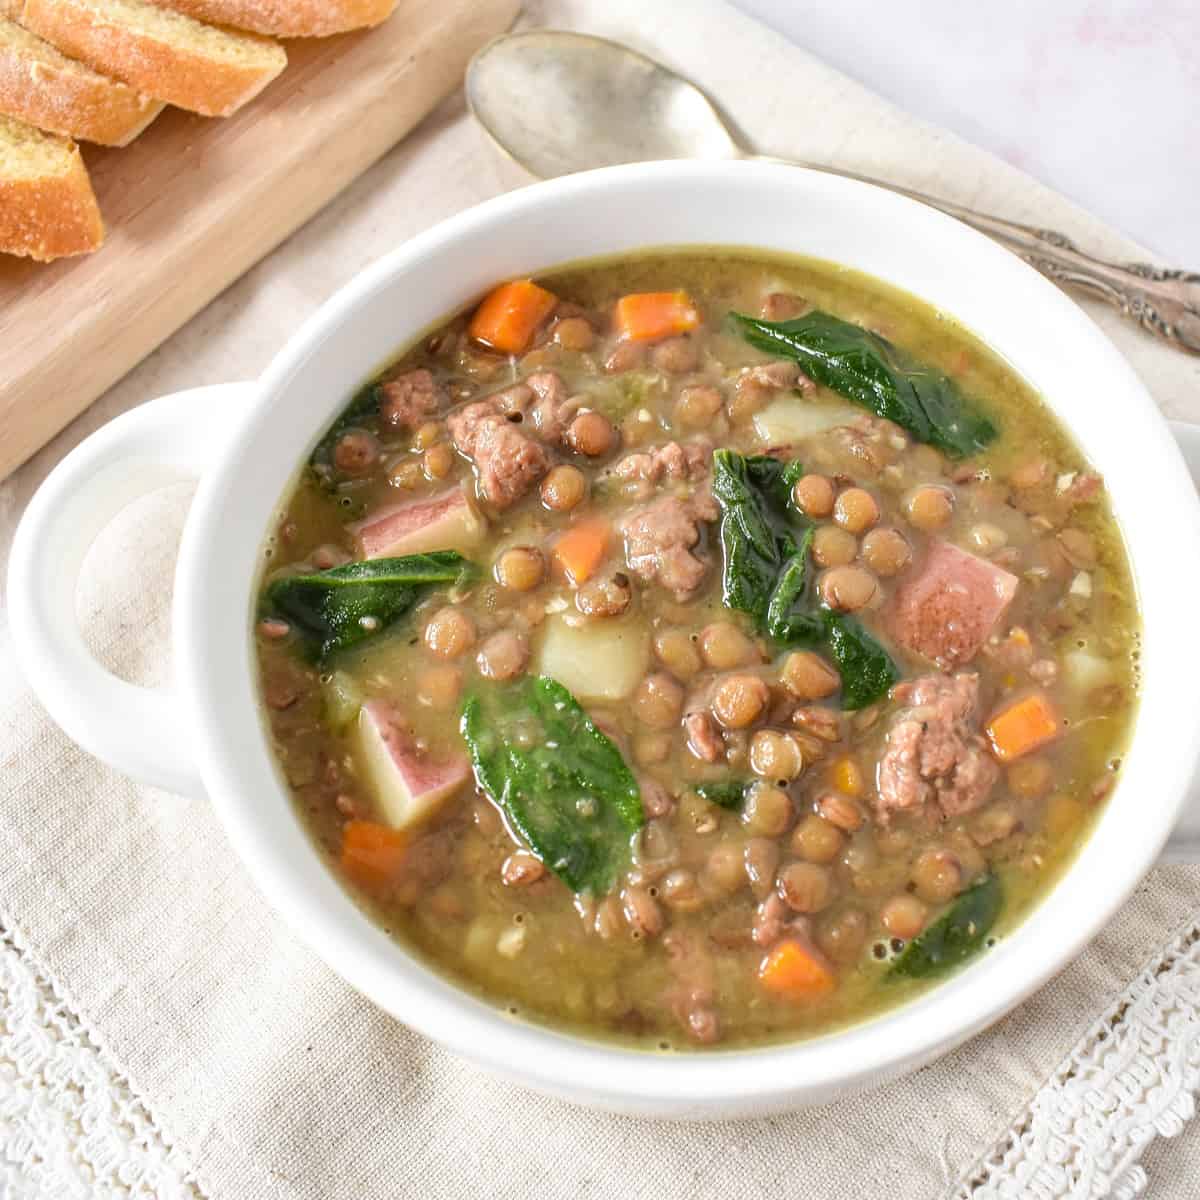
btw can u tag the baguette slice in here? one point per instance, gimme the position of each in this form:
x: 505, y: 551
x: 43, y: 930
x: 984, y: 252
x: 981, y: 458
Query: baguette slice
x: 159, y: 52
x: 45, y: 88
x: 287, y: 18
x: 47, y: 207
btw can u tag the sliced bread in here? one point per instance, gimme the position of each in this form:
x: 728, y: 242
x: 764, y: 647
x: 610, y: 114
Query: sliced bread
x: 287, y: 18
x: 47, y: 207
x: 11, y: 9
x: 45, y: 88
x: 162, y: 53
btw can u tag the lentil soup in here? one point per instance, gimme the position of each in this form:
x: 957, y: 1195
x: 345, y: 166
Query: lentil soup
x: 698, y: 648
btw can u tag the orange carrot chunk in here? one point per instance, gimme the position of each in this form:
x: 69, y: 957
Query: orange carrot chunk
x: 510, y: 315
x: 1023, y: 726
x: 647, y: 316
x: 797, y: 971
x: 373, y: 854
x: 582, y: 549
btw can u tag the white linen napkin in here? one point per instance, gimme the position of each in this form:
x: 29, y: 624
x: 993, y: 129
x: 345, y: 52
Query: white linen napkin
x: 265, y: 1072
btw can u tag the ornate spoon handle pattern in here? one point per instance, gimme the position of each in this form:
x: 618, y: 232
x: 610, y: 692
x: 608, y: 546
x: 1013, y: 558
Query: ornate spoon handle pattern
x: 1163, y: 301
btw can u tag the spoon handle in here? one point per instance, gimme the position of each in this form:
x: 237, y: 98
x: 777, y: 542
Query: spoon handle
x: 1166, y: 302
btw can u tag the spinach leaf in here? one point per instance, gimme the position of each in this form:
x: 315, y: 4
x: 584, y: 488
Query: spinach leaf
x: 789, y: 618
x: 775, y: 478
x: 756, y: 540
x: 955, y: 936
x: 866, y: 668
x: 724, y: 793
x: 348, y: 604
x: 872, y: 372
x: 561, y: 783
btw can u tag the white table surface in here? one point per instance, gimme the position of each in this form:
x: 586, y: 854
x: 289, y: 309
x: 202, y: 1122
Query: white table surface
x: 1097, y: 98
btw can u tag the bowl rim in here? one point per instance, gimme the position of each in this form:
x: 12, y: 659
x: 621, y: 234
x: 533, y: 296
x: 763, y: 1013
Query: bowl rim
x: 206, y: 609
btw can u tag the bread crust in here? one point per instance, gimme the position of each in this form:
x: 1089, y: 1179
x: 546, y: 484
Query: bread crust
x: 51, y: 217
x: 287, y: 18
x: 179, y: 75
x: 75, y: 103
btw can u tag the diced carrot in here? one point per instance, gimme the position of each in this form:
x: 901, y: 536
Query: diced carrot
x: 373, y: 854
x: 509, y: 316
x: 846, y: 775
x: 796, y: 970
x: 646, y: 316
x: 582, y: 549
x: 1023, y: 726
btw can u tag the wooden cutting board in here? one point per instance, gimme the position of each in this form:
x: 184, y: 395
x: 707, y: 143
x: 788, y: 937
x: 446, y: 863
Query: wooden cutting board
x: 193, y: 203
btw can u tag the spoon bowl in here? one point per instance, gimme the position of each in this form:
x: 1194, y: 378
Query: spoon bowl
x: 559, y: 102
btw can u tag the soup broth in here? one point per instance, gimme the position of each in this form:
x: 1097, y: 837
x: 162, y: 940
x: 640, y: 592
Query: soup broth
x: 738, y: 678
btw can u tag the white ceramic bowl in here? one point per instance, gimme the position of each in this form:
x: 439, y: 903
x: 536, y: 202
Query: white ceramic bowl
x: 207, y: 734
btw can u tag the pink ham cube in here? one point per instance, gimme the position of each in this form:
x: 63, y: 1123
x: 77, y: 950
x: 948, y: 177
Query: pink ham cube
x: 408, y: 783
x: 948, y: 607
x: 442, y: 522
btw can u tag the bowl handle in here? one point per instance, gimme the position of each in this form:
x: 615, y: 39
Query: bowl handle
x: 140, y: 731
x: 1183, y: 846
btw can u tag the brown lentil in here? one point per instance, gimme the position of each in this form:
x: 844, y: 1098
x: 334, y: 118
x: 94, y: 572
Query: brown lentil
x: 658, y: 701
x: 563, y: 488
x: 832, y: 546
x: 428, y: 434
x: 937, y: 876
x: 805, y: 887
x: 807, y: 676
x: 676, y: 355
x: 520, y: 568
x: 856, y: 510
x: 841, y: 935
x: 574, y: 333
x: 439, y: 687
x: 775, y: 755
x: 903, y: 916
x: 641, y: 912
x: 816, y: 840
x: 886, y: 551
x: 929, y: 508
x: 841, y: 811
x: 521, y: 868
x: 698, y: 406
x: 677, y: 652
x: 847, y: 589
x: 608, y: 596
x: 591, y: 434
x: 724, y: 646
x: 761, y: 857
x: 437, y: 461
x: 814, y: 496
x: 450, y: 632
x: 740, y: 700
x: 503, y: 655
x: 766, y: 811
x: 681, y: 891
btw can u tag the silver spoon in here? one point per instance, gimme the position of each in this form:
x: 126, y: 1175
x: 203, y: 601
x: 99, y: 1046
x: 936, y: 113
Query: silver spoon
x: 559, y: 102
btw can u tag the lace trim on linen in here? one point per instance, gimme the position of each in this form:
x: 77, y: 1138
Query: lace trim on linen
x: 1132, y: 1077
x: 71, y: 1126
